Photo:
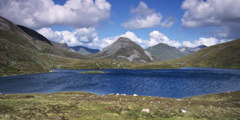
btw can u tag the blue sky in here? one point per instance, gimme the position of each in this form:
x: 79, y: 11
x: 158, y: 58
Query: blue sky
x: 98, y: 23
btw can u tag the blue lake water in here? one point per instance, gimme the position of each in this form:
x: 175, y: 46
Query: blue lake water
x: 174, y: 83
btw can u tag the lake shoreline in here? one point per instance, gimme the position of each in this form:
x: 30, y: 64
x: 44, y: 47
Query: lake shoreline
x: 52, y: 70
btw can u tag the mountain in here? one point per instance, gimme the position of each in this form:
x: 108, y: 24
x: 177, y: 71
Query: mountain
x: 191, y: 50
x: 124, y: 49
x: 165, y: 52
x: 84, y: 50
x: 23, y: 50
x: 62, y: 46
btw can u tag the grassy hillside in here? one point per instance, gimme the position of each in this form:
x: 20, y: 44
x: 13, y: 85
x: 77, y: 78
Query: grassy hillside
x: 87, y: 106
x: 21, y: 53
x: 226, y: 55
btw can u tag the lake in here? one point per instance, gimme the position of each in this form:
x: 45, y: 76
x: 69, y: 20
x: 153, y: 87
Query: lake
x: 174, y: 83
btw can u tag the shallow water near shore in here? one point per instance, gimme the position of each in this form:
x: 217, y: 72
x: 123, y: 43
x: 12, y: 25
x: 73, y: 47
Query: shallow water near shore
x: 174, y: 83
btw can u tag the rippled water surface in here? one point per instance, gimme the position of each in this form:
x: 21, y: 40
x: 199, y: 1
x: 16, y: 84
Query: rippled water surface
x: 175, y: 83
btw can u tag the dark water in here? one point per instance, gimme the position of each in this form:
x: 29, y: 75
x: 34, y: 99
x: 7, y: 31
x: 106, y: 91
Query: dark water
x: 175, y: 83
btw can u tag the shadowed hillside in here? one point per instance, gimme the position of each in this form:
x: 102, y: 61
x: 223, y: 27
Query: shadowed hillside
x: 21, y: 53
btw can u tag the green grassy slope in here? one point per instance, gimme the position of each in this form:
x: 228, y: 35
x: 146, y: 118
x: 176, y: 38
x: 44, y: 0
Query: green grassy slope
x: 21, y: 53
x: 87, y: 106
x: 225, y: 55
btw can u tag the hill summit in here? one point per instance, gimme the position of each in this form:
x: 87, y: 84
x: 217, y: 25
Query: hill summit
x: 125, y: 49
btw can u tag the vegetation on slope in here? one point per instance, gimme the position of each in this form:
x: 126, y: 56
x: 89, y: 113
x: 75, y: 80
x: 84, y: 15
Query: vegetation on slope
x: 21, y: 53
x: 80, y: 105
x: 225, y: 55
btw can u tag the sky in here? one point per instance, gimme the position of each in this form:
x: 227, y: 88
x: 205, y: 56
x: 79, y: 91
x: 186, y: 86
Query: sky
x: 98, y: 23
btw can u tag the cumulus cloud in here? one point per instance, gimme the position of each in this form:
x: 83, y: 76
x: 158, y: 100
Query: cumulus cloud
x: 157, y: 37
x: 222, y: 13
x: 202, y: 41
x: 145, y: 17
x: 82, y: 36
x: 44, y: 13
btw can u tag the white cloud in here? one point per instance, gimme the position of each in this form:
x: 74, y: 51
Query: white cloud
x: 222, y: 13
x: 44, y: 13
x: 202, y: 41
x: 82, y: 36
x: 146, y: 18
x: 157, y: 37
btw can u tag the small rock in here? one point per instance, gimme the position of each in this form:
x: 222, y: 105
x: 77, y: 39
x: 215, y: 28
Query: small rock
x: 183, y: 111
x: 135, y: 95
x: 179, y: 99
x: 117, y: 93
x: 143, y: 98
x: 145, y: 110
x: 123, y: 94
x: 111, y: 94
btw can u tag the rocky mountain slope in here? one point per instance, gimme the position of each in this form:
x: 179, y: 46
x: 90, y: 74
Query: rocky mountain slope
x: 125, y: 49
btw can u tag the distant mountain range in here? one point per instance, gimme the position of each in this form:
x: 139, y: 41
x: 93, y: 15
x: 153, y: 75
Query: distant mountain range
x: 85, y: 50
x: 78, y: 49
x: 125, y: 49
x: 165, y: 52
